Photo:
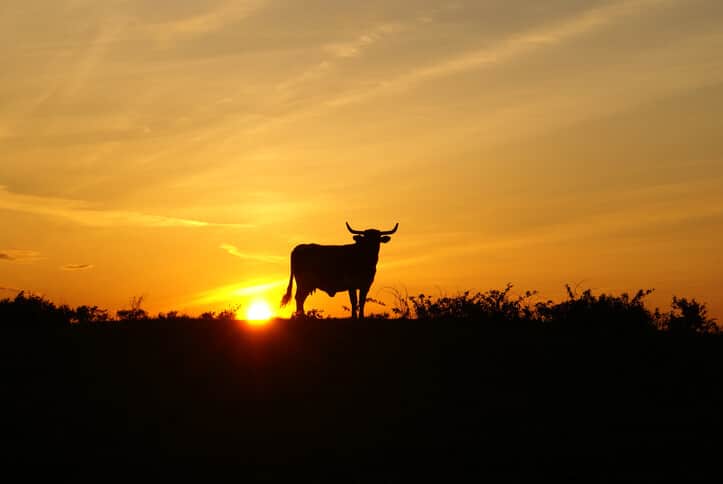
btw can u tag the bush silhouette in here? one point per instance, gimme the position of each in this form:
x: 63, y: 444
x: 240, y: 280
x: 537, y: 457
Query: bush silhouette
x: 90, y: 314
x: 586, y: 310
x: 314, y: 313
x: 173, y: 316
x: 135, y: 312
x: 401, y: 306
x: 226, y: 315
x: 35, y: 311
x: 492, y: 306
x: 689, y: 317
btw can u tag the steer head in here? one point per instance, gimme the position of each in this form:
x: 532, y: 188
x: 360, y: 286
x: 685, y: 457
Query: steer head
x: 372, y: 237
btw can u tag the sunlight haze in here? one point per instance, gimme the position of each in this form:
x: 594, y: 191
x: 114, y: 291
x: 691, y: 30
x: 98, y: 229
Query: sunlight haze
x: 179, y: 150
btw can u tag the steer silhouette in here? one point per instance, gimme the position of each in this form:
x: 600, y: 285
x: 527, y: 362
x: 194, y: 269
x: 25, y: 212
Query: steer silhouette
x: 336, y: 268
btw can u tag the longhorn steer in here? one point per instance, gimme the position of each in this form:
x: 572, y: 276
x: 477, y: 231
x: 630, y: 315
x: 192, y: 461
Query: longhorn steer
x: 336, y: 268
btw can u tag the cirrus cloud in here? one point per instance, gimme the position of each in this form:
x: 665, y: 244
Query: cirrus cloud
x: 22, y: 256
x: 234, y: 251
x: 232, y: 292
x: 76, y: 267
x: 81, y: 212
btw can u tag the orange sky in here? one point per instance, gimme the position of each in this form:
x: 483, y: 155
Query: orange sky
x: 179, y: 149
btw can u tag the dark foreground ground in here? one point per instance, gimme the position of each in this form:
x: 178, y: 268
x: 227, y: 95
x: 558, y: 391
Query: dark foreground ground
x: 374, y: 401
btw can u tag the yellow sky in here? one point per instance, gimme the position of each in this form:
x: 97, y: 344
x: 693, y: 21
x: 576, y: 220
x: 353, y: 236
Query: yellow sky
x: 179, y: 149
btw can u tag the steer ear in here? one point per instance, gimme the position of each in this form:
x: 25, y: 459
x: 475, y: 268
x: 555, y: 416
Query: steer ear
x: 358, y: 238
x: 384, y: 239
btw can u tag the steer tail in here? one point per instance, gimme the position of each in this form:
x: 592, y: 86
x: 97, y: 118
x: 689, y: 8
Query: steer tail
x: 287, y: 297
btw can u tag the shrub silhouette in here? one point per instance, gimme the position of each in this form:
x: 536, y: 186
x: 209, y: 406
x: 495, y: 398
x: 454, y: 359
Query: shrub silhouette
x: 174, y: 316
x: 90, y: 314
x: 492, y: 306
x: 689, y: 317
x: 314, y: 313
x: 32, y: 310
x: 401, y: 307
x: 226, y: 315
x: 135, y: 312
x: 586, y: 310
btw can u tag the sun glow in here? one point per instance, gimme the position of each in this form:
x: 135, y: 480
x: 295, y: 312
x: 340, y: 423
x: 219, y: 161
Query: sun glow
x: 259, y: 312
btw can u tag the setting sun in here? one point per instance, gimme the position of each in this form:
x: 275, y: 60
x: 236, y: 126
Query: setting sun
x: 258, y: 312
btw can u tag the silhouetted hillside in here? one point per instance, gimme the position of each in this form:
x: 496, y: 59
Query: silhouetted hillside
x: 372, y: 400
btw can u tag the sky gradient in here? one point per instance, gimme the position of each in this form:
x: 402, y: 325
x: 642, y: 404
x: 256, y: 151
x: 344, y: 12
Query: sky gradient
x: 180, y: 149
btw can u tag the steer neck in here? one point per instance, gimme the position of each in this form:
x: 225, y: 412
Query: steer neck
x: 371, y: 251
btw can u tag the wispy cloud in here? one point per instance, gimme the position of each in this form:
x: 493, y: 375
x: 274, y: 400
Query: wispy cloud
x: 232, y: 292
x: 338, y: 51
x: 355, y: 46
x: 79, y: 212
x: 380, y: 31
x: 507, y: 49
x: 21, y: 256
x: 76, y: 267
x: 520, y: 44
x: 233, y: 250
x: 210, y: 20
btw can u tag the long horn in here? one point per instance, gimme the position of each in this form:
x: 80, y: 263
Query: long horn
x: 352, y: 230
x: 390, y: 232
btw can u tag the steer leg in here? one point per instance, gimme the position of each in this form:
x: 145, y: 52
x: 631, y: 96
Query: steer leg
x: 301, y: 294
x: 362, y: 300
x: 352, y: 299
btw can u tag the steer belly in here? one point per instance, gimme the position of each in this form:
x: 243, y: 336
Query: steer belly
x: 339, y: 286
x: 345, y: 282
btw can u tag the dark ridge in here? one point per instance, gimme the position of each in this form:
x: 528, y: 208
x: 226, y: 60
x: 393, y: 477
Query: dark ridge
x: 368, y: 400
